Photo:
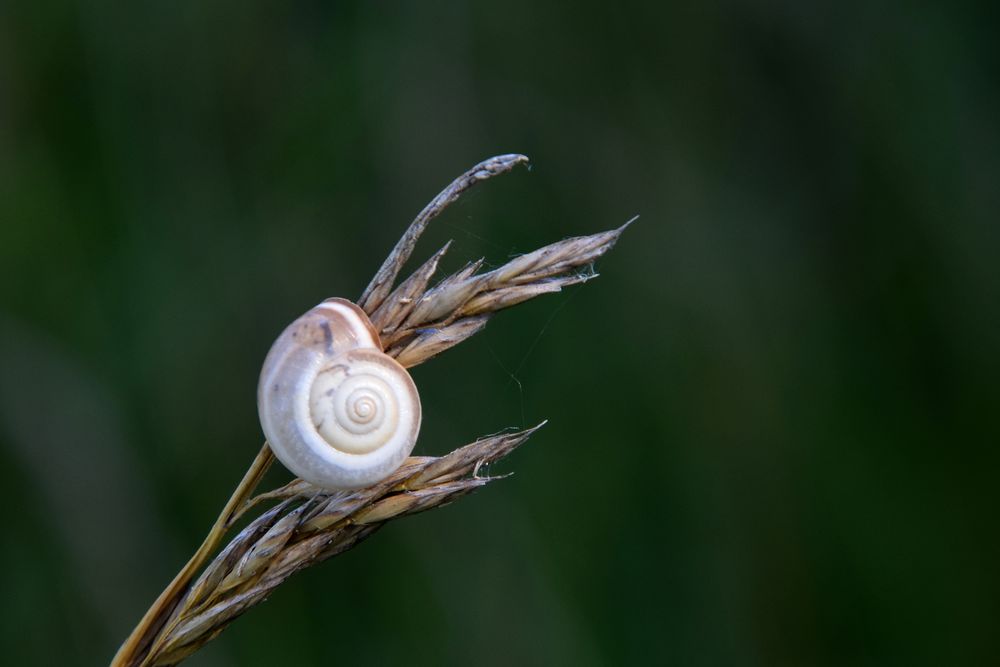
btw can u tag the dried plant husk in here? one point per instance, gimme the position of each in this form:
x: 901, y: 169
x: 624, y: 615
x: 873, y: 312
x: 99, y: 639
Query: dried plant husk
x: 307, y: 525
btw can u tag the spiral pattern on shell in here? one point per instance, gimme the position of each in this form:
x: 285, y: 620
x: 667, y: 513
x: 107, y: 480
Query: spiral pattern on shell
x: 336, y: 411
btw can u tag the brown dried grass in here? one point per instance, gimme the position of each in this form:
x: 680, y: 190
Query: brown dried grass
x: 308, y: 524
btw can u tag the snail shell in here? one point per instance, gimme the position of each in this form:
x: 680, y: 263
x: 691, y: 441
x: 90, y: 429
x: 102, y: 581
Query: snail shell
x: 336, y: 410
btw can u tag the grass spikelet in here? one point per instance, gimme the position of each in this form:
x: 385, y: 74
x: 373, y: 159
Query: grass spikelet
x: 308, y: 525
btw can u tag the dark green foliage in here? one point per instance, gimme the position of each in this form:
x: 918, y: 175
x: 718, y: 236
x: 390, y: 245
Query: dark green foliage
x: 773, y: 429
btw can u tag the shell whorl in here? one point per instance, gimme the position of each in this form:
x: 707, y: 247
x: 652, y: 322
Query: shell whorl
x: 336, y: 411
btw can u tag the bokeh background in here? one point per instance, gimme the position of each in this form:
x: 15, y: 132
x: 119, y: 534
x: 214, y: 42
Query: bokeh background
x: 773, y: 419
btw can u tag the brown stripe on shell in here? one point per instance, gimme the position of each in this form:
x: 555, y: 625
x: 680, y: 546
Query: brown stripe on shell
x: 358, y: 323
x: 334, y: 326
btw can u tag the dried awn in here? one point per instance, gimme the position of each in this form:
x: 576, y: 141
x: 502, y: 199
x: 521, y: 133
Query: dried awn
x: 308, y: 524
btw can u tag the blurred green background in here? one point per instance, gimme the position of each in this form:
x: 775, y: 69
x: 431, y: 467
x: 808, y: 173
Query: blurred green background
x: 774, y: 418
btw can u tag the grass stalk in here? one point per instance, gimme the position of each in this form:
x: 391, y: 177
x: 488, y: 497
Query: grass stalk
x: 308, y: 525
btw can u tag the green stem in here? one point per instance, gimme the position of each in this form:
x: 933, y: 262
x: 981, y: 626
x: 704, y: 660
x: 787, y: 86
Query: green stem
x: 133, y: 650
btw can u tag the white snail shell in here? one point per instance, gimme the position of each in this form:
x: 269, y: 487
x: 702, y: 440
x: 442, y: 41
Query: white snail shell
x: 336, y: 410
